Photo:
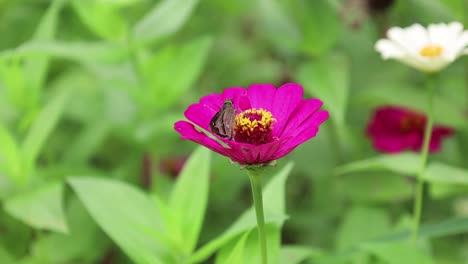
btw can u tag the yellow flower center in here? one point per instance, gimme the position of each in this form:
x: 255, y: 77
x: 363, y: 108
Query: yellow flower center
x: 431, y: 51
x: 254, y: 126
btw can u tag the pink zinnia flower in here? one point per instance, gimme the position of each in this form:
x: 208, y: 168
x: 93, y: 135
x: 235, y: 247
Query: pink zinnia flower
x: 263, y: 123
x: 394, y: 129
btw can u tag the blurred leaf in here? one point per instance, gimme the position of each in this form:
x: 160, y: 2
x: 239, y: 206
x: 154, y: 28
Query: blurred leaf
x: 328, y: 79
x: 399, y: 253
x: 248, y: 250
x: 189, y: 198
x: 127, y: 215
x: 430, y: 11
x: 42, y: 127
x: 84, y: 243
x: 297, y: 254
x: 119, y: 2
x: 14, y: 230
x: 441, y: 173
x: 361, y: 224
x: 274, y: 209
x: 102, y: 18
x: 88, y: 141
x: 375, y: 187
x: 404, y: 163
x: 36, y: 68
x: 10, y: 156
x: 5, y: 257
x: 320, y: 26
x: 452, y: 226
x: 277, y: 25
x: 40, y: 208
x: 82, y: 52
x: 457, y: 7
x: 235, y: 252
x: 185, y: 61
x: 440, y: 190
x: 167, y: 17
x: 14, y: 81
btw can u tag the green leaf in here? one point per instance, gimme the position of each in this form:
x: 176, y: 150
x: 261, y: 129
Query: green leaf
x: 167, y: 17
x: 40, y: 208
x: 248, y: 251
x: 102, y: 18
x: 375, y: 187
x: 457, y: 7
x: 10, y: 156
x: 127, y: 215
x: 88, y: 141
x: 404, y: 163
x: 441, y: 173
x: 297, y: 254
x: 444, y: 228
x: 278, y: 25
x: 361, y: 224
x: 82, y: 52
x: 5, y: 257
x: 443, y: 190
x: 320, y: 25
x: 36, y: 68
x: 14, y: 82
x: 328, y: 79
x: 189, y: 198
x: 234, y: 253
x: 185, y: 61
x: 274, y: 208
x: 430, y: 11
x: 42, y: 127
x: 84, y: 242
x: 399, y: 253
x: 119, y: 2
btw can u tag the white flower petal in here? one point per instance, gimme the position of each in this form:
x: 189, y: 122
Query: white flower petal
x: 417, y: 36
x: 460, y: 44
x: 400, y: 37
x: 443, y: 34
x: 389, y: 49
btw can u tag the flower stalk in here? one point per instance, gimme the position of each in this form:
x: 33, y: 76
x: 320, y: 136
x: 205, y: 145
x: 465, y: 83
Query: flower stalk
x: 418, y: 200
x: 255, y: 176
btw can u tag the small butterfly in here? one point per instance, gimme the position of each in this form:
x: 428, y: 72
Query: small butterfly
x: 223, y: 121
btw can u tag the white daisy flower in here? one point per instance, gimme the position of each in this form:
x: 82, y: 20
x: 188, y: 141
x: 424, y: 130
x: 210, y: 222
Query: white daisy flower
x: 426, y: 49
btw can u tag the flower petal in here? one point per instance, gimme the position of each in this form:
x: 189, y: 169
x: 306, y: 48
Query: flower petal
x: 287, y: 98
x: 188, y: 131
x: 411, y: 39
x: 389, y: 49
x: 389, y: 144
x: 305, y: 131
x: 261, y: 96
x: 303, y: 111
x: 251, y: 154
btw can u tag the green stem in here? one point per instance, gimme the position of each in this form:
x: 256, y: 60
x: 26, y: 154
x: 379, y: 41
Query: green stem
x: 256, y: 184
x: 418, y: 200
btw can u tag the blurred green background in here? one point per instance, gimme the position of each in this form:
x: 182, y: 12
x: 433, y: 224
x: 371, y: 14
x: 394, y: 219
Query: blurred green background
x: 94, y: 87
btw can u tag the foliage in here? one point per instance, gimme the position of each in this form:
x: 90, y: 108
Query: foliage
x: 89, y: 93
